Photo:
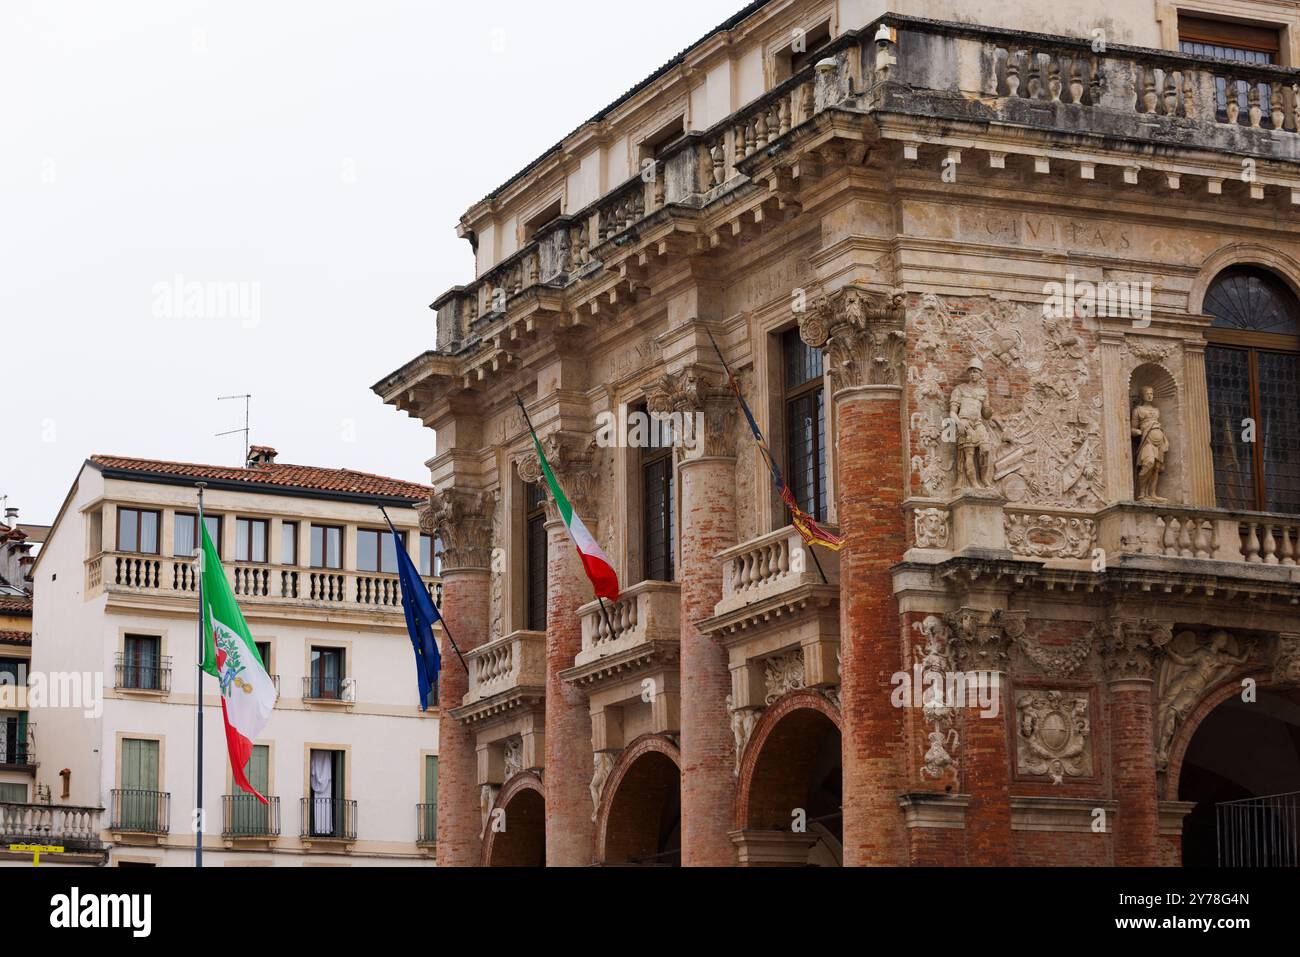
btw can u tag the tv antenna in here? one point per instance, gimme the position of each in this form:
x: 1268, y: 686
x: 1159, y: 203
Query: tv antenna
x: 247, y: 398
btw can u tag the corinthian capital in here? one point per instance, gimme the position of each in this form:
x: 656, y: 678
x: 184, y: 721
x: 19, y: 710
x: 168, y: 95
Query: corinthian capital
x: 862, y: 334
x: 571, y: 456
x: 1129, y: 647
x: 702, y: 409
x: 463, y: 521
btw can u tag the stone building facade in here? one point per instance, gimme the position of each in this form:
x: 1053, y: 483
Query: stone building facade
x: 1017, y: 314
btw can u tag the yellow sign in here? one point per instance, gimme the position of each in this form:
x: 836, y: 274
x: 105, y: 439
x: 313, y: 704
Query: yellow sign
x: 36, y: 850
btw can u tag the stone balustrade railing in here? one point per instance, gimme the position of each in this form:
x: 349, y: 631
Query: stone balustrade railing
x: 158, y: 575
x: 513, y: 661
x: 648, y: 611
x: 1209, y: 534
x: 770, y: 565
x: 73, y: 828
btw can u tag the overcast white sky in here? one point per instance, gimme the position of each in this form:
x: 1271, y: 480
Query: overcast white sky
x: 319, y: 152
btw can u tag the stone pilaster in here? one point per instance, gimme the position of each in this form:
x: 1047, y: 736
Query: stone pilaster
x: 1115, y: 428
x: 1129, y: 649
x: 981, y: 649
x: 1196, y: 441
x: 568, y: 771
x: 463, y: 520
x: 862, y: 335
x: 706, y: 474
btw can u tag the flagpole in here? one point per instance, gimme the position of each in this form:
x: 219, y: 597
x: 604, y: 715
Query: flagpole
x: 533, y: 432
x: 445, y: 630
x: 731, y: 379
x: 198, y: 695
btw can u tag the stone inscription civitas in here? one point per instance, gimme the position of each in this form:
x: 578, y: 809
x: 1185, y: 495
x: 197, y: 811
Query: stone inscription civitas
x: 982, y: 226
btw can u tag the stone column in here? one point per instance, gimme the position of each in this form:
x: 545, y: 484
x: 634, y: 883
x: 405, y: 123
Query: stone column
x: 981, y: 647
x: 706, y: 475
x: 861, y: 332
x: 568, y: 771
x: 463, y: 520
x: 1129, y: 648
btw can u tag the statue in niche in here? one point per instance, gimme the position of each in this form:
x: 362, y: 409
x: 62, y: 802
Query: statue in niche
x: 1152, y: 446
x: 969, y: 409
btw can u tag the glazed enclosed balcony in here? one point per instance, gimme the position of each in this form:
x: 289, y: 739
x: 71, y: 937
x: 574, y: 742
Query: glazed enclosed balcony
x: 1133, y: 116
x: 136, y: 574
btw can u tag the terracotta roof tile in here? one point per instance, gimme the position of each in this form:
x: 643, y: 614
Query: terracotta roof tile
x: 15, y: 638
x: 287, y: 476
x: 15, y: 605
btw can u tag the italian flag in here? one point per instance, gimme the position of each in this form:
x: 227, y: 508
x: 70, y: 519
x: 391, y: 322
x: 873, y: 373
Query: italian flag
x: 229, y: 655
x: 594, y: 562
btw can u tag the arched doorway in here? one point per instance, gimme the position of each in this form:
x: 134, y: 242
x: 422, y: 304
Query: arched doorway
x: 790, y: 804
x: 640, y: 818
x: 1246, y: 752
x: 515, y: 835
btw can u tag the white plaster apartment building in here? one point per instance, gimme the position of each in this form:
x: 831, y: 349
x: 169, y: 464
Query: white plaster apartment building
x: 348, y: 760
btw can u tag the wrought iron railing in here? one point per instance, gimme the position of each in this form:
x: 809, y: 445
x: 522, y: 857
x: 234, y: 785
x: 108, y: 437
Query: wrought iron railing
x: 141, y: 811
x: 329, y: 818
x: 426, y: 823
x: 17, y: 749
x: 1260, y: 831
x: 328, y: 688
x: 142, y: 673
x: 243, y: 815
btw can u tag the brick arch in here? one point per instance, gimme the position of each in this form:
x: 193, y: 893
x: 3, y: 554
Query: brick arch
x: 526, y: 785
x: 773, y: 716
x: 1230, y: 687
x: 646, y: 744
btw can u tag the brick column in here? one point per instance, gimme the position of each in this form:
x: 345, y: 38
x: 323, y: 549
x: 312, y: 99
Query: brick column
x: 861, y: 332
x: 1129, y: 650
x: 567, y: 774
x: 463, y: 520
x: 707, y: 477
x: 981, y: 647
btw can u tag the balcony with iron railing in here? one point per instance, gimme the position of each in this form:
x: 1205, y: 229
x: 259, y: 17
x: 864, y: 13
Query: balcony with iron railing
x: 130, y: 573
x: 244, y: 817
x: 328, y: 819
x: 75, y: 829
x: 150, y: 675
x: 18, y: 748
x: 426, y: 824
x: 140, y: 811
x: 329, y: 689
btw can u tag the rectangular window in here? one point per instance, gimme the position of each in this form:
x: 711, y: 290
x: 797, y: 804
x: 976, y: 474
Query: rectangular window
x: 1242, y: 42
x: 184, y: 544
x: 326, y: 546
x: 11, y: 669
x: 249, y: 817
x: 264, y: 652
x: 660, y: 141
x: 137, y: 531
x: 658, y: 512
x: 326, y: 680
x: 289, y: 543
x: 141, y: 661
x: 376, y: 551
x: 13, y: 739
x: 250, y: 539
x: 326, y: 810
x: 13, y: 794
x: 535, y: 554
x: 805, y: 424
x: 139, y: 804
x: 429, y: 810
x: 430, y: 556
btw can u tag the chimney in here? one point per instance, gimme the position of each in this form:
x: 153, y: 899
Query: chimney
x: 260, y: 455
x: 11, y: 517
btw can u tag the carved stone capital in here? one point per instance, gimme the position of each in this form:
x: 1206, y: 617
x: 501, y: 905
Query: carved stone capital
x: 463, y: 521
x: 1129, y: 647
x: 980, y: 638
x: 862, y: 334
x: 571, y: 456
x: 702, y: 410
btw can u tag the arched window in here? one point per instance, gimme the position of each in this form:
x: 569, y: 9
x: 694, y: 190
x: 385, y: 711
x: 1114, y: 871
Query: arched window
x: 1252, y: 369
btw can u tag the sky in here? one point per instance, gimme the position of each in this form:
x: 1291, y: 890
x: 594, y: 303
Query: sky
x: 203, y: 199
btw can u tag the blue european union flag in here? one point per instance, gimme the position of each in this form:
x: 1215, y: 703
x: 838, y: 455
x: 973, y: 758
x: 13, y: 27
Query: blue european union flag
x: 421, y: 613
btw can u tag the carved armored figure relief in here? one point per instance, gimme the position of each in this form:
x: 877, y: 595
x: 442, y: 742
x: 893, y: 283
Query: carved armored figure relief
x: 969, y: 408
x: 1152, y: 446
x: 1041, y: 441
x: 1188, y: 670
x: 1053, y: 736
x: 935, y: 665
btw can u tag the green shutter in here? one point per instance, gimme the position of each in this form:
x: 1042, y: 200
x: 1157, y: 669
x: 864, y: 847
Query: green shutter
x: 430, y: 810
x: 259, y: 769
x: 248, y: 815
x: 13, y: 793
x: 139, y: 807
